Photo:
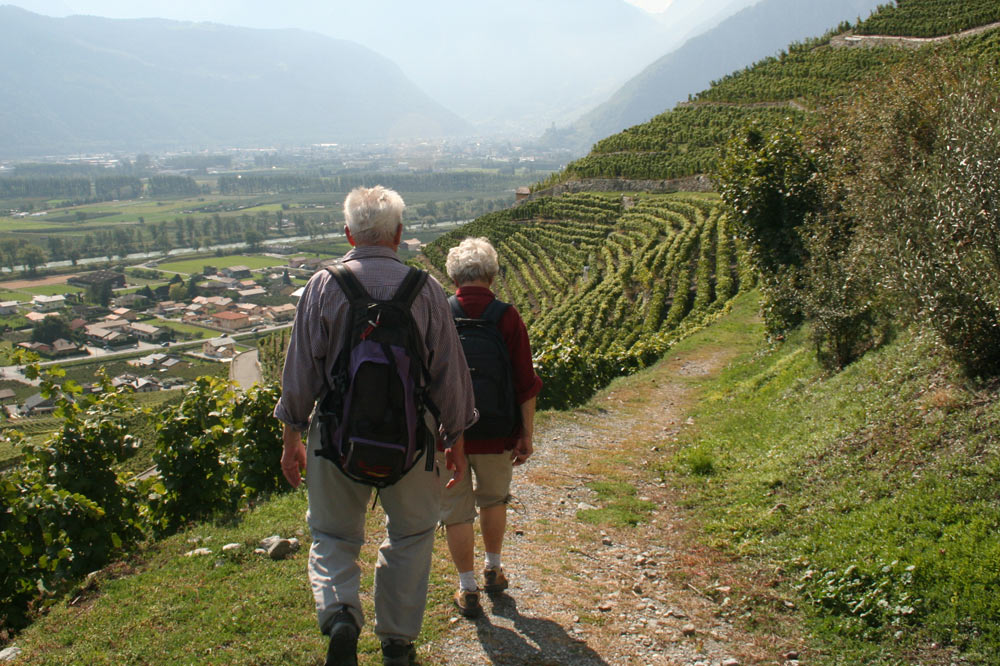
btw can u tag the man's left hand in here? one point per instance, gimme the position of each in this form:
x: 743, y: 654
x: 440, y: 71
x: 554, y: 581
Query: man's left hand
x: 293, y: 456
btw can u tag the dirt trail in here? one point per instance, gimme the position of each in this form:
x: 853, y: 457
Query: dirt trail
x: 852, y: 40
x: 588, y: 596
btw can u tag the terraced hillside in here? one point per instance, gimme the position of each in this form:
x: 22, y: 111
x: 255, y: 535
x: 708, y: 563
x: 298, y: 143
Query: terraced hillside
x: 606, y: 283
x: 930, y: 18
x: 684, y: 141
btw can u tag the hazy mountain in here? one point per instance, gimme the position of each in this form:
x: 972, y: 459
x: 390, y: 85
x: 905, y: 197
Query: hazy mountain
x: 742, y: 39
x: 85, y: 83
x: 501, y: 64
x: 687, y: 18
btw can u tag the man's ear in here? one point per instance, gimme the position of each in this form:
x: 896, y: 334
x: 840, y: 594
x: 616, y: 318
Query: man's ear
x: 399, y: 234
x: 347, y: 232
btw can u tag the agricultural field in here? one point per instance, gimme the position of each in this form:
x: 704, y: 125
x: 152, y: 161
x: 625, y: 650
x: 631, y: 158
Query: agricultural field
x: 49, y: 290
x: 186, y: 331
x: 196, y: 266
x: 606, y: 283
x: 930, y: 18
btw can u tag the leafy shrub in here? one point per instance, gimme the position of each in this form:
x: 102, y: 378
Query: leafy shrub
x: 39, y: 533
x: 768, y: 181
x: 919, y: 159
x: 194, y: 457
x: 839, y: 293
x: 66, y: 511
x: 80, y: 458
x: 257, y: 435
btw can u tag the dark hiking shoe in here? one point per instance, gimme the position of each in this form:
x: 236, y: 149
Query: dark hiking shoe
x: 468, y: 603
x: 494, y: 581
x: 343, y: 650
x: 398, y: 653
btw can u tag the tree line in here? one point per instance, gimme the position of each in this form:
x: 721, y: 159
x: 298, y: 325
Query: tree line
x: 266, y: 183
x: 79, y: 189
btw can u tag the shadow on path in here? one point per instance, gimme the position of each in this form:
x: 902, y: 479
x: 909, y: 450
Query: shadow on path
x: 533, y: 641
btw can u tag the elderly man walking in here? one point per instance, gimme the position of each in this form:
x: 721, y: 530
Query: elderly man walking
x: 337, y: 504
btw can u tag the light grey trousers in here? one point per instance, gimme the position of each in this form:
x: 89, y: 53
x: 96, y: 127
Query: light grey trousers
x: 336, y: 517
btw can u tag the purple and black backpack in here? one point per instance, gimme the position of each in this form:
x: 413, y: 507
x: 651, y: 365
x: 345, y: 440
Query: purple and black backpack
x: 371, y: 419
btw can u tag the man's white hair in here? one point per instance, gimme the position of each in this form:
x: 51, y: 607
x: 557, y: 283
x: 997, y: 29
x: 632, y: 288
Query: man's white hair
x: 373, y: 214
x: 472, y: 260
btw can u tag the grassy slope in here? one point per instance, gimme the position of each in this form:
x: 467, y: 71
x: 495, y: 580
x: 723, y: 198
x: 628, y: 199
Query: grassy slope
x: 165, y: 608
x: 848, y: 482
x: 894, y: 460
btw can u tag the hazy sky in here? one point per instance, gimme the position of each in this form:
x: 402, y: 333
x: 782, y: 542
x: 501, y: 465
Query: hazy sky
x: 652, y: 6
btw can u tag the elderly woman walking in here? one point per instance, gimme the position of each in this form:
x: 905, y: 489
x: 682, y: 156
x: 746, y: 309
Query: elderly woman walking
x: 496, y: 444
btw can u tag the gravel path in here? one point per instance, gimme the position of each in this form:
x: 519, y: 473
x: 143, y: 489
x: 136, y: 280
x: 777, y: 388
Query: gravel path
x: 588, y: 596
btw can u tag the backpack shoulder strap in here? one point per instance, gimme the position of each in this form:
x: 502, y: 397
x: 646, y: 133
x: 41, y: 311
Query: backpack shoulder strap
x: 494, y: 311
x: 350, y: 284
x: 410, y: 286
x: 457, y: 311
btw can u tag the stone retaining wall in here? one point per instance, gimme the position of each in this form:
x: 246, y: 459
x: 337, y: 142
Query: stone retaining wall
x: 699, y: 183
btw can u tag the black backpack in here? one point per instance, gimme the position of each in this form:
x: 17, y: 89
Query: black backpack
x: 491, y: 370
x: 372, y: 418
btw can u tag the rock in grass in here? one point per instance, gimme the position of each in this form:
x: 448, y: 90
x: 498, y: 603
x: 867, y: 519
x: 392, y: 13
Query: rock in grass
x: 270, y: 541
x: 282, y: 548
x: 10, y: 654
x: 198, y: 551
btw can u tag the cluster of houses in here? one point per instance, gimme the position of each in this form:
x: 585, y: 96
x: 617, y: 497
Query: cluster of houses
x: 227, y: 313
x: 226, y: 306
x: 224, y: 313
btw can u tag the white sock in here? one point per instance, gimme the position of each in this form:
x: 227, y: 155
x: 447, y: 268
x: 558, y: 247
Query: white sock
x: 492, y: 560
x: 467, y: 581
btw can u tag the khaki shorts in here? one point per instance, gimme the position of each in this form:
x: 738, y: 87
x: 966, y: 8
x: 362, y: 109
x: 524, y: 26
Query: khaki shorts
x: 493, y: 472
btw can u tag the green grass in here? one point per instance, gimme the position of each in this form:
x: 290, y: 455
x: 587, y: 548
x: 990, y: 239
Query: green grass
x: 190, y: 266
x: 51, y: 289
x: 186, y: 331
x: 620, y: 507
x: 217, y: 609
x: 874, y: 488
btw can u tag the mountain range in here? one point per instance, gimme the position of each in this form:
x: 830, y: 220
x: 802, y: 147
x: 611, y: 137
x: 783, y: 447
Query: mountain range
x: 94, y: 84
x: 85, y: 83
x: 506, y: 66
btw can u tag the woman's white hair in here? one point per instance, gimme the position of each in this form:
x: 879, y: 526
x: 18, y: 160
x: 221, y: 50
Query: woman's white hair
x: 472, y: 260
x: 373, y: 214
